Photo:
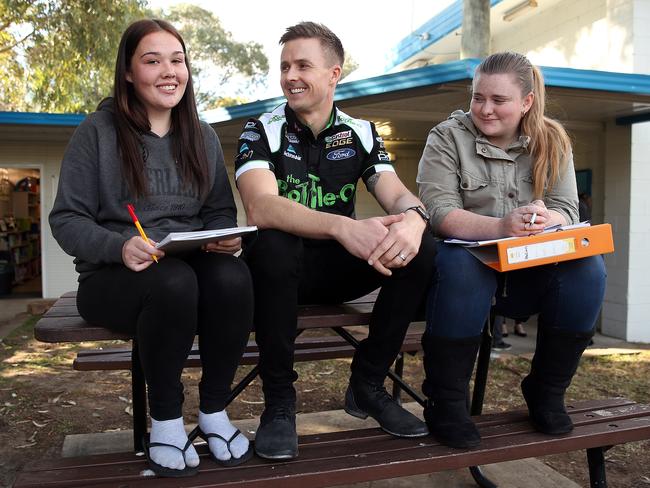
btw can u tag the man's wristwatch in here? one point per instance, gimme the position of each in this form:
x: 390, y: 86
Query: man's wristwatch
x: 421, y: 212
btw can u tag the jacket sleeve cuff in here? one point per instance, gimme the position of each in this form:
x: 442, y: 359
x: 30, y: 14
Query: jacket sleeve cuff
x: 438, y: 215
x: 114, y: 249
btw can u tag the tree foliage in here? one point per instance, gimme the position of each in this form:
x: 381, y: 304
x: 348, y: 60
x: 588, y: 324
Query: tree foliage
x: 349, y: 66
x: 59, y: 55
x: 65, y: 49
x: 217, y: 59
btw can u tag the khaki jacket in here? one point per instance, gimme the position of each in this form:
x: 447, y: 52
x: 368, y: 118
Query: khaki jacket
x: 459, y: 168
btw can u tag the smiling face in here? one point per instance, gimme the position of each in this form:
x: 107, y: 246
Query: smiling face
x: 158, y: 73
x: 497, y: 106
x: 308, y: 77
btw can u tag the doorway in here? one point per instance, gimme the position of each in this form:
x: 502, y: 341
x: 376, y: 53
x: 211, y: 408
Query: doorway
x: 20, y: 233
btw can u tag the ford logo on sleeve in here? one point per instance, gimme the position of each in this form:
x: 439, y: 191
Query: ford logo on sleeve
x: 339, y: 154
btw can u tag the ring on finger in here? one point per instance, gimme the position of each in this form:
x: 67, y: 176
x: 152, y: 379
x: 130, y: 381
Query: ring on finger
x: 401, y: 256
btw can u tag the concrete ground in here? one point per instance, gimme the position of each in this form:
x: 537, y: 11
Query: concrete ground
x: 520, y: 474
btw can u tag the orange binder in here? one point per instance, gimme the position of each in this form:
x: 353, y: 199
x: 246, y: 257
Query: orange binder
x: 550, y: 247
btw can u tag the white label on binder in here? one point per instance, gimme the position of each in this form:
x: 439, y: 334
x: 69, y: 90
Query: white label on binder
x: 541, y: 250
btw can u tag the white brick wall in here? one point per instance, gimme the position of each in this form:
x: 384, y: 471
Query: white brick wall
x: 617, y: 211
x: 639, y: 264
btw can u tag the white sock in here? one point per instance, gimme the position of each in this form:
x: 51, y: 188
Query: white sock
x: 171, y: 432
x: 218, y: 423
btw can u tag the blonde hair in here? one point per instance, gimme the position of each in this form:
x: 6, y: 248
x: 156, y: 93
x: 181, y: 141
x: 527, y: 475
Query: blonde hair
x: 550, y: 145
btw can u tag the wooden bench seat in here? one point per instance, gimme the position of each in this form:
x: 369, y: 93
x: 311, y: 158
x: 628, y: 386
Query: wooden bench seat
x: 369, y: 454
x: 62, y: 323
x: 307, y: 349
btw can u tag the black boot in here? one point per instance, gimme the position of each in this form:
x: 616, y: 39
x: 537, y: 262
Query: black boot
x: 555, y: 362
x: 365, y: 398
x: 448, y: 366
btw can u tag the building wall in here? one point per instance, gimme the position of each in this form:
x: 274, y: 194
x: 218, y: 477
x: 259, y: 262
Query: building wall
x: 639, y: 226
x: 617, y: 211
x: 582, y: 34
x: 58, y: 271
x: 588, y: 153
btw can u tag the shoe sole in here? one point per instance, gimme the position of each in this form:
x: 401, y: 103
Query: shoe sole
x: 363, y: 415
x: 351, y: 408
x: 277, y: 457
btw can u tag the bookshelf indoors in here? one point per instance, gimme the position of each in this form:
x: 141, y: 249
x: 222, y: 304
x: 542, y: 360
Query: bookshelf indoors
x: 20, y: 228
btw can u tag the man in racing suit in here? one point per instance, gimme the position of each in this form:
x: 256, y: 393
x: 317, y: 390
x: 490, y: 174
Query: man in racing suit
x: 297, y: 169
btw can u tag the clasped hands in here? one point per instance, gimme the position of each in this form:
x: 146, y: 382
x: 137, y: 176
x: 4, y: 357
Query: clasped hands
x: 387, y: 242
x: 520, y: 222
x: 137, y: 254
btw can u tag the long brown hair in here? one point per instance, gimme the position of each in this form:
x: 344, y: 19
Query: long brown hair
x: 550, y: 145
x: 131, y: 119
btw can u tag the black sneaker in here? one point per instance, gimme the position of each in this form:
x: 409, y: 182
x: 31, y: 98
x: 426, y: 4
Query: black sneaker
x: 363, y: 399
x: 276, y: 436
x: 501, y: 346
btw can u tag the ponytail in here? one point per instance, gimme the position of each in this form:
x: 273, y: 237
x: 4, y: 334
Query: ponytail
x: 550, y: 145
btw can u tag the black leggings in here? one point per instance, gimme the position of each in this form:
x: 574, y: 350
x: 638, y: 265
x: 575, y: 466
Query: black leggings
x: 165, y: 306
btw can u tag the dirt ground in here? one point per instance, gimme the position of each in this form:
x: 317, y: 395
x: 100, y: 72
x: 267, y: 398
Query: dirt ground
x: 42, y: 400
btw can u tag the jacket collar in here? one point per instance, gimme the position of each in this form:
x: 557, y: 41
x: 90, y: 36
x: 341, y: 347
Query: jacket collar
x: 294, y: 124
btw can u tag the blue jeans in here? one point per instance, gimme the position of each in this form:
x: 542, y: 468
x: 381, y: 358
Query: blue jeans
x: 566, y: 295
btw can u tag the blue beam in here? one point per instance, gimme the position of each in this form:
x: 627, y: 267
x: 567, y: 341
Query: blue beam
x: 449, y: 72
x: 40, y: 118
x: 405, y: 80
x: 585, y: 79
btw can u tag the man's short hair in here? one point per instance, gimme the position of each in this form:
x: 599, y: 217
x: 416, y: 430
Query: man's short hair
x: 311, y: 30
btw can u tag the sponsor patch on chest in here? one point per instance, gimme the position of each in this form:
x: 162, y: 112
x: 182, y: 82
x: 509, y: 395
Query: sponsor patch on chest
x: 249, y: 135
x: 339, y: 154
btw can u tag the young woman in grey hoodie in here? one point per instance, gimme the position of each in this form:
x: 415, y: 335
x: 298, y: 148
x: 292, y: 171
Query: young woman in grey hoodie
x: 146, y: 146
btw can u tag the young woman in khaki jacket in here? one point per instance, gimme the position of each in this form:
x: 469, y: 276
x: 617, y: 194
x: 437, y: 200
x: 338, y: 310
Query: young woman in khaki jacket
x: 502, y: 169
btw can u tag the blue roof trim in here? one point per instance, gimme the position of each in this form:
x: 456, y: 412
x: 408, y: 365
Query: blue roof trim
x: 597, y: 80
x: 40, y: 118
x: 252, y: 109
x: 429, y: 33
x: 635, y: 84
x: 449, y: 72
x: 405, y: 80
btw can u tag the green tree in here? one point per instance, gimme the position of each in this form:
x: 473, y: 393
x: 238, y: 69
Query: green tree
x: 72, y: 60
x: 217, y: 59
x: 350, y: 65
x: 59, y: 55
x: 16, y: 20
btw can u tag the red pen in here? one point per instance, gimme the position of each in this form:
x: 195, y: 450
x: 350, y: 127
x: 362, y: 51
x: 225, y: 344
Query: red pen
x: 139, y: 227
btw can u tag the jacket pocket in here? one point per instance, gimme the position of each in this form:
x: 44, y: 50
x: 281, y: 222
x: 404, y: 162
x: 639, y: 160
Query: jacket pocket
x: 469, y: 182
x: 478, y: 196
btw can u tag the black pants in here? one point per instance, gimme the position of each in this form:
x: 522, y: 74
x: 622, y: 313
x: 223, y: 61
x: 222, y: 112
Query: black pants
x: 288, y: 270
x: 165, y: 306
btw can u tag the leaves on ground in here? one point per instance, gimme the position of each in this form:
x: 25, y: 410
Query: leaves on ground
x: 42, y: 399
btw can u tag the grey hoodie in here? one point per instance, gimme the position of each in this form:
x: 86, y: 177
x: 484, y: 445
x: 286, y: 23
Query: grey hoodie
x: 89, y: 219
